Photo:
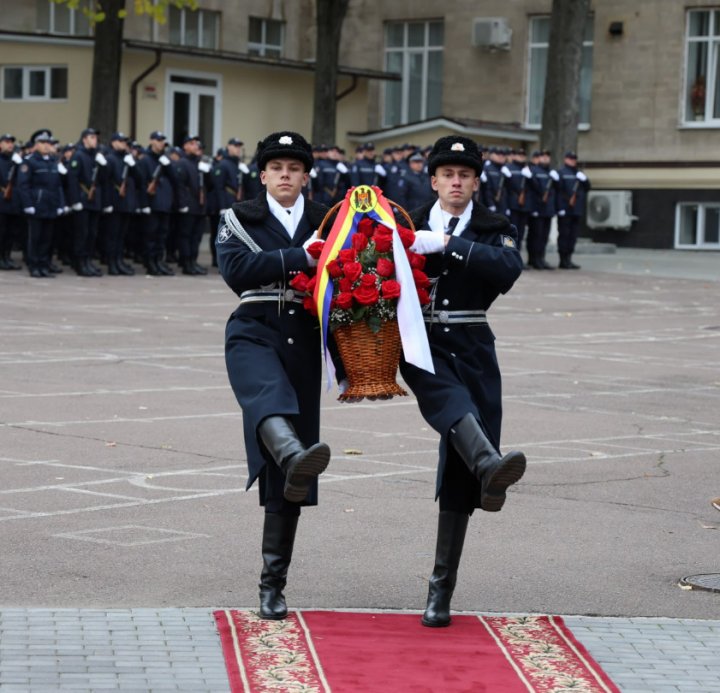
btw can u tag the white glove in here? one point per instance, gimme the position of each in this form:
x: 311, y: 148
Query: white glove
x: 61, y: 168
x: 342, y: 168
x: 16, y: 158
x: 145, y: 210
x: 581, y: 176
x: 204, y: 166
x: 343, y: 385
x: 428, y: 242
x: 506, y: 172
x: 222, y: 212
x: 164, y: 161
x: 101, y: 159
x: 526, y: 172
x: 129, y: 159
x: 29, y: 210
x: 108, y: 209
x: 483, y: 177
x: 77, y: 207
x: 554, y: 175
x: 492, y: 208
x: 60, y: 211
x: 184, y: 210
x: 313, y: 173
x: 243, y: 167
x: 380, y: 170
x: 312, y: 262
x: 561, y: 213
x: 66, y: 210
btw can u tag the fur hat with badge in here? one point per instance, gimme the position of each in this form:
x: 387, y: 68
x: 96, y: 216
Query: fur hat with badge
x: 457, y: 151
x: 285, y: 145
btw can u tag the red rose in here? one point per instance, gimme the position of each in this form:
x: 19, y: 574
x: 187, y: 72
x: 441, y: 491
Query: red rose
x: 421, y: 279
x: 334, y: 269
x: 390, y: 289
x: 366, y: 295
x: 416, y: 261
x: 368, y: 280
x: 352, y: 270
x: 383, y: 230
x: 359, y: 241
x: 366, y: 227
x: 423, y: 296
x: 310, y: 305
x: 344, y: 284
x: 406, y: 236
x: 344, y: 300
x: 383, y: 244
x: 385, y: 267
x: 311, y: 285
x: 300, y: 282
x: 347, y: 255
x: 315, y: 249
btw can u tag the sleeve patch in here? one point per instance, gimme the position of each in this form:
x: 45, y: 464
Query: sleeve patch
x: 508, y: 241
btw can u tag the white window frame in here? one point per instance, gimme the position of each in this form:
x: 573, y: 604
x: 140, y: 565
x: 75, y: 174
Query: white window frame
x: 406, y: 52
x: 263, y: 46
x: 26, y: 71
x: 201, y: 17
x: 711, y: 82
x: 586, y: 44
x: 702, y: 207
x: 53, y: 8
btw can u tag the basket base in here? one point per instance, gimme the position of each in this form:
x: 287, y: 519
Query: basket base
x: 356, y: 393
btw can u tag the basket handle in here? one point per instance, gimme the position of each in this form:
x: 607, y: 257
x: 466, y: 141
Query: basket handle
x: 333, y: 209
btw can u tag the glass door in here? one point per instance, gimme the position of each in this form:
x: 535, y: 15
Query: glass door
x: 194, y: 108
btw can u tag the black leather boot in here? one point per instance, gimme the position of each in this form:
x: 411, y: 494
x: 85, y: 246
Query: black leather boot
x: 495, y: 473
x: 300, y: 465
x: 277, y: 547
x: 450, y: 539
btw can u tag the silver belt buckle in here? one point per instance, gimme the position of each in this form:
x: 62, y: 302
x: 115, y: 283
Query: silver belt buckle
x: 443, y: 316
x: 289, y: 295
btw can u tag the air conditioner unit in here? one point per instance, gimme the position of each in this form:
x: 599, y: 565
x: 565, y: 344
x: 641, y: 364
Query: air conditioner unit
x: 610, y: 209
x: 491, y: 32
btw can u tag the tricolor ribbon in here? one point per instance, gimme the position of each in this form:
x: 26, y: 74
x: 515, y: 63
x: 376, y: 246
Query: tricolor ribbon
x: 415, y: 345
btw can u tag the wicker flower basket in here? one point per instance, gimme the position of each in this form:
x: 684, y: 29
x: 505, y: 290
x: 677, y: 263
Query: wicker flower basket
x: 370, y: 360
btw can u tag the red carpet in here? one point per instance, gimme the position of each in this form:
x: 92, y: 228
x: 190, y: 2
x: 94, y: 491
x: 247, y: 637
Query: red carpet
x: 322, y: 651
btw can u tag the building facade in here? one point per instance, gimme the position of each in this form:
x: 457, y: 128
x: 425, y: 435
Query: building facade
x: 649, y: 95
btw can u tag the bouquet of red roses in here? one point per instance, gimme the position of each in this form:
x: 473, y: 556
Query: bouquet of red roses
x: 365, y: 288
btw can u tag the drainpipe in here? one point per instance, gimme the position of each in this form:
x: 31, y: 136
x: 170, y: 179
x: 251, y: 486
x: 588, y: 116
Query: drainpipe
x: 133, y: 91
x: 351, y: 88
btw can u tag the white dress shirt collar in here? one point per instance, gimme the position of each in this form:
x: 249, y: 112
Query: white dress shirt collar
x: 289, y: 217
x: 439, y: 219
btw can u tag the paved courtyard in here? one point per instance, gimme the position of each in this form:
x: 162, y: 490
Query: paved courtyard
x: 123, y: 519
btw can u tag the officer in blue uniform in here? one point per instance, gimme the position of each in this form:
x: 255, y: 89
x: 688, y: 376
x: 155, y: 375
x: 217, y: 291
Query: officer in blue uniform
x: 42, y: 200
x: 517, y: 188
x: 472, y: 258
x: 227, y: 186
x: 572, y: 194
x: 417, y: 188
x: 542, y: 209
x: 272, y: 350
x: 11, y: 220
x: 122, y: 196
x: 85, y: 181
x: 156, y: 199
x: 495, y: 190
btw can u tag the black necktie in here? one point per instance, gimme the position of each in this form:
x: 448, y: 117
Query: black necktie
x: 453, y: 223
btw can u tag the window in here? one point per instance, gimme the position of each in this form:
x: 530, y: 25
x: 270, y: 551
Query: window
x: 702, y: 87
x: 266, y: 37
x: 198, y: 28
x: 415, y: 50
x: 538, y: 54
x: 34, y: 83
x: 61, y: 19
x: 697, y: 225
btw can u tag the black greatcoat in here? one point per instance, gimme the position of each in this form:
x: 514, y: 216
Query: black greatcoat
x: 478, y: 265
x: 272, y: 349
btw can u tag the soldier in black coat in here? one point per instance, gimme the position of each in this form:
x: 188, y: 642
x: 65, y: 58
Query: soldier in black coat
x: 272, y: 350
x: 573, y: 187
x: 11, y: 221
x: 471, y: 258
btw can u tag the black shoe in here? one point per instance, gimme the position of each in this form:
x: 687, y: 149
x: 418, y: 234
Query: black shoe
x: 277, y: 548
x: 55, y: 269
x: 199, y: 269
x: 164, y: 269
x: 4, y: 264
x: 125, y: 269
x: 94, y: 269
x: 46, y: 273
x: 11, y: 264
x: 36, y: 274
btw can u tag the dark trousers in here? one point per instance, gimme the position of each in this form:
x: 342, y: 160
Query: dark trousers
x: 40, y: 233
x: 538, y: 234
x: 85, y: 229
x: 190, y: 231
x: 519, y: 220
x: 116, y: 225
x: 568, y: 229
x: 214, y: 223
x: 156, y: 232
x: 12, y: 230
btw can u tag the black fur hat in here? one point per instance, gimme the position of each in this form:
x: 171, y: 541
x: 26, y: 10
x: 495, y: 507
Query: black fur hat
x: 456, y: 150
x: 285, y: 145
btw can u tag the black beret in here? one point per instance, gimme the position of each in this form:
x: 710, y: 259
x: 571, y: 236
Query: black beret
x: 284, y: 145
x: 457, y: 151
